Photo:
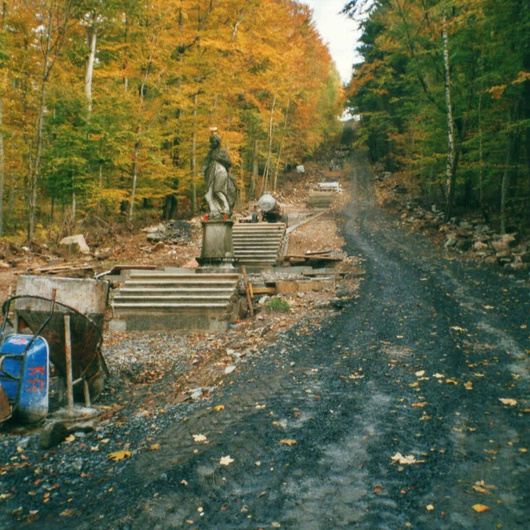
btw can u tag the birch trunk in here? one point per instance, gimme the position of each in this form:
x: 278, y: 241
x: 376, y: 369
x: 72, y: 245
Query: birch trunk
x: 450, y: 164
x: 89, y: 74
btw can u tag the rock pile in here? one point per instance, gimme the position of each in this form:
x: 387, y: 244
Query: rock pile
x: 474, y: 237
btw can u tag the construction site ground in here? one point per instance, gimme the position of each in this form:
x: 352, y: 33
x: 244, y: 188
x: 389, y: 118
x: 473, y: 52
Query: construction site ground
x: 395, y: 401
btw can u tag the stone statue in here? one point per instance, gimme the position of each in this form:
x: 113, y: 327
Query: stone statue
x: 221, y: 188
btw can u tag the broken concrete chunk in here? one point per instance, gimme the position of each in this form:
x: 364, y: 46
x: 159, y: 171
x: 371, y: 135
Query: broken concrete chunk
x: 75, y: 244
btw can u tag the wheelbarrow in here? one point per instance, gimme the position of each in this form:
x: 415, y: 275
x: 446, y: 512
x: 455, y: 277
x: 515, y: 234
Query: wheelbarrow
x: 73, y: 345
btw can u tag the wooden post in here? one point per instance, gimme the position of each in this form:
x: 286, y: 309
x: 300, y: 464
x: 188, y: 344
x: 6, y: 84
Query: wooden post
x: 247, y: 290
x: 68, y: 353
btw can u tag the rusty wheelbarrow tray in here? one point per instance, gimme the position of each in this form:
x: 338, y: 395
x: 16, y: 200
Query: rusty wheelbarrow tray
x: 86, y: 337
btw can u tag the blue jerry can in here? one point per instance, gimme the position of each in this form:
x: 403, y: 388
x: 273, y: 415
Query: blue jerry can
x: 24, y: 376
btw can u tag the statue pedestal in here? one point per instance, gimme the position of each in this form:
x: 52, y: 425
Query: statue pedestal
x: 217, y: 247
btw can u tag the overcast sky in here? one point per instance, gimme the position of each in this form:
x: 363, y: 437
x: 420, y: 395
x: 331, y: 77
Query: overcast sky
x: 338, y: 32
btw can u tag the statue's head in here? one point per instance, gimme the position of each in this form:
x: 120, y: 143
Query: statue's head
x: 215, y: 140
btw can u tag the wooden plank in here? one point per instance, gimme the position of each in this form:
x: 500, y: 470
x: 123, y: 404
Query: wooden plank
x: 264, y: 290
x: 247, y: 290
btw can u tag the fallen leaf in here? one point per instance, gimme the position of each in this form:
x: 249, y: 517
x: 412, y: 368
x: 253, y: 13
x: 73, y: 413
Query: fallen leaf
x: 226, y: 460
x: 378, y: 488
x: 523, y: 450
x: 67, y: 513
x: 457, y: 328
x: 119, y: 455
x: 69, y: 439
x: 287, y: 441
x: 421, y: 404
x: 154, y: 447
x: 488, y: 307
x: 421, y: 373
x: 430, y: 507
x: 482, y: 487
x: 403, y: 460
x: 199, y: 438
x: 480, y: 508
x: 413, y: 385
x: 438, y: 376
x: 468, y: 385
x: 451, y: 382
x: 508, y: 401
x: 219, y: 407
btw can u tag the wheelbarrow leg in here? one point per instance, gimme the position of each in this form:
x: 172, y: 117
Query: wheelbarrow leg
x: 68, y: 354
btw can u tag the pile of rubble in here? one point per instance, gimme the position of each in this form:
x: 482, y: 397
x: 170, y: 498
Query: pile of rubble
x: 171, y: 232
x: 474, y: 236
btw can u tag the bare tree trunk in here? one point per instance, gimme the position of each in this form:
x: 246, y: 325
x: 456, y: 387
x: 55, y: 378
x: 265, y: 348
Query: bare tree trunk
x: 254, y: 170
x: 134, y: 175
x: 504, y: 187
x: 450, y: 173
x: 89, y: 74
x: 281, y: 147
x: 194, y: 158
x: 2, y: 170
x: 266, y: 171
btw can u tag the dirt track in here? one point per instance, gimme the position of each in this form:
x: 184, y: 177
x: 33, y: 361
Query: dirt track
x: 313, y: 425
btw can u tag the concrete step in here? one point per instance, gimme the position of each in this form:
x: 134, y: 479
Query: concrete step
x: 157, y: 300
x: 258, y: 244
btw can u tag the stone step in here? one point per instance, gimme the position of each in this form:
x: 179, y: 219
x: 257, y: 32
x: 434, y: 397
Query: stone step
x: 164, y: 306
x: 175, y: 284
x: 176, y: 290
x: 170, y: 276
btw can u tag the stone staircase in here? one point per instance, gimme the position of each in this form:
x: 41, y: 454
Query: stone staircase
x: 259, y: 245
x: 168, y: 300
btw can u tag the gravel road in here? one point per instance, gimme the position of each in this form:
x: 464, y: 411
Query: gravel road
x: 407, y: 409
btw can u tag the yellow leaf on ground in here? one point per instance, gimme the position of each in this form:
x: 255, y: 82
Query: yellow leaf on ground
x: 451, y: 382
x: 199, y: 438
x: 154, y: 447
x: 468, y: 385
x: 420, y: 404
x: 508, y: 401
x: 119, y: 455
x: 421, y: 373
x: 430, y: 507
x: 67, y: 513
x: 482, y: 487
x: 219, y: 407
x: 226, y: 460
x: 404, y: 460
x: 287, y: 441
x: 480, y: 508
